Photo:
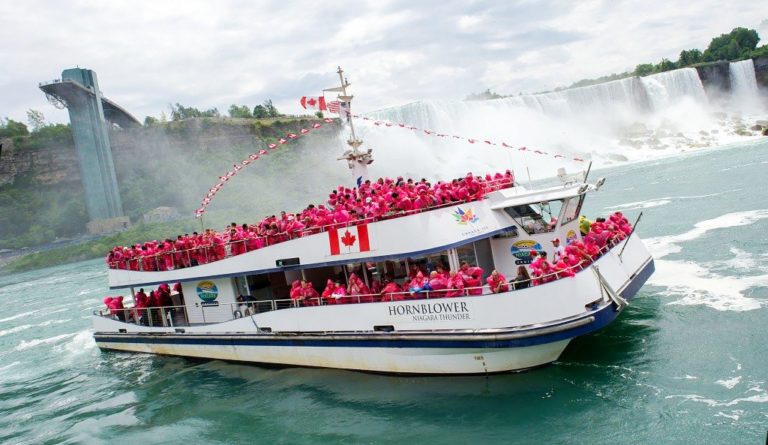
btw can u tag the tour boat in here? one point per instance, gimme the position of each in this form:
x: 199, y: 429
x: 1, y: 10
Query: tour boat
x: 237, y: 308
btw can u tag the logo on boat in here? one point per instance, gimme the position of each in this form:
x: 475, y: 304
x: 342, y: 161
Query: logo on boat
x: 570, y: 237
x: 207, y: 291
x: 522, y: 250
x: 464, y: 217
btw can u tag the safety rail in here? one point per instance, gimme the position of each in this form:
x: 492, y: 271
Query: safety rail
x: 177, y: 316
x: 157, y: 261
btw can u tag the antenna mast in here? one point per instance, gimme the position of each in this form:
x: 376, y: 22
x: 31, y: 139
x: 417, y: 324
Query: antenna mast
x: 357, y: 158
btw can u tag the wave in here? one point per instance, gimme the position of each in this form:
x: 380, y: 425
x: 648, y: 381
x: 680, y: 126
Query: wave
x: 665, y: 245
x: 24, y: 345
x: 15, y: 330
x: 17, y: 316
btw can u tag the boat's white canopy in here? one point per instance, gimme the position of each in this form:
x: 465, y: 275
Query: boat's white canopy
x: 516, y: 196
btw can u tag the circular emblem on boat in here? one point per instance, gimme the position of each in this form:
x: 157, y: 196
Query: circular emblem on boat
x: 522, y: 250
x: 207, y: 291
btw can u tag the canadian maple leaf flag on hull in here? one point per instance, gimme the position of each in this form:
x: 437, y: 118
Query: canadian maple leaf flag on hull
x: 351, y: 239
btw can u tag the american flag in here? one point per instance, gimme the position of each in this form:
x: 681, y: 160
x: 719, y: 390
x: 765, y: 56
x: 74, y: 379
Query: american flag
x: 333, y: 106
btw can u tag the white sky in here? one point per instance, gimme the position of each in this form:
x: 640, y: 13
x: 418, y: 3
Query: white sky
x: 148, y: 54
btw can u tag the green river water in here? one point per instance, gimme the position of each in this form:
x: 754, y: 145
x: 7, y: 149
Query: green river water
x: 686, y: 363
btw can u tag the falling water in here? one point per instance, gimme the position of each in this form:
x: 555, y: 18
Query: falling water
x: 744, y: 91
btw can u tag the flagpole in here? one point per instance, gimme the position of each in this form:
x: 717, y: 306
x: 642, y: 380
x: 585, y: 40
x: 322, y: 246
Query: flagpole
x: 357, y: 159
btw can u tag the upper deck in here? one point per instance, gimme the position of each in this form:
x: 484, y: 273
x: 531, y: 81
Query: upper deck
x: 411, y: 235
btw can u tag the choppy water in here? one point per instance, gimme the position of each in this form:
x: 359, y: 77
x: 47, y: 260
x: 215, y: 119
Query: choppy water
x: 686, y: 363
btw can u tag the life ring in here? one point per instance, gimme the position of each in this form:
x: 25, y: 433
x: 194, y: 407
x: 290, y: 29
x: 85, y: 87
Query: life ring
x: 237, y: 314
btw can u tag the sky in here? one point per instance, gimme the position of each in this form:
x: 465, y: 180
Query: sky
x: 149, y: 54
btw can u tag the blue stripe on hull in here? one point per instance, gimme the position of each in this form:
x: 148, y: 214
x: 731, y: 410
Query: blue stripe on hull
x: 602, y: 318
x: 637, y: 282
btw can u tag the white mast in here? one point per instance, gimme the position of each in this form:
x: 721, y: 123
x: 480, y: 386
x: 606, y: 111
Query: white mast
x: 357, y: 158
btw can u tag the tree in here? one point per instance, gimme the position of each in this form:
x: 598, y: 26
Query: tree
x: 271, y: 110
x: 35, y: 119
x: 644, y: 69
x: 319, y: 114
x: 10, y: 128
x: 738, y: 43
x: 241, y: 111
x: 689, y: 57
x: 665, y: 65
x: 150, y: 121
x: 260, y: 112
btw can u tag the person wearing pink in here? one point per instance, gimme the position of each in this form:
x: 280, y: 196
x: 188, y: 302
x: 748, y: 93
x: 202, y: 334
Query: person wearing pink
x: 327, y: 294
x: 455, y: 285
x: 438, y: 284
x: 473, y: 278
x: 417, y: 285
x: 296, y: 294
x: 340, y: 294
x: 497, y: 282
x: 309, y: 294
x: 236, y: 242
x: 391, y: 292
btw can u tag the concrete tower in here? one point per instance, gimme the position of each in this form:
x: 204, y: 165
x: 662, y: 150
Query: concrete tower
x: 78, y: 90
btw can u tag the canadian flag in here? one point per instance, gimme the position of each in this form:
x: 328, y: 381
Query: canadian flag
x: 349, y: 240
x: 313, y: 102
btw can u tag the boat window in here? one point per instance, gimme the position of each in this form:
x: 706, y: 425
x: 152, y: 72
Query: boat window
x: 536, y: 218
x: 466, y: 253
x: 572, y: 208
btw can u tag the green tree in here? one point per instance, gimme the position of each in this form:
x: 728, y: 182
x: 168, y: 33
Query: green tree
x: 665, y: 65
x: 271, y: 110
x: 689, y: 57
x: 150, y: 121
x: 739, y: 43
x: 35, y: 119
x: 241, y: 111
x: 644, y: 69
x: 260, y: 112
x: 10, y: 128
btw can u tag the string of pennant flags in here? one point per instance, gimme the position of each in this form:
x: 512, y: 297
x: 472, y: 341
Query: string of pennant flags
x: 343, y: 109
x: 253, y: 157
x: 386, y: 124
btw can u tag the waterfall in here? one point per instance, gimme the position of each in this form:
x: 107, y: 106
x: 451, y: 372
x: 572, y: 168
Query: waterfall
x: 626, y: 119
x: 744, y: 91
x: 664, y: 89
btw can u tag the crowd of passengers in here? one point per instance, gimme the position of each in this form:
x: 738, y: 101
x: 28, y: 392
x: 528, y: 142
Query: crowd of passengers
x: 468, y: 280
x: 372, y: 201
x: 441, y: 282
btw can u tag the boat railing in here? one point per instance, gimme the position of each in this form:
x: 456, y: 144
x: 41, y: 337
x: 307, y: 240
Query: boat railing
x: 178, y: 316
x: 199, y: 255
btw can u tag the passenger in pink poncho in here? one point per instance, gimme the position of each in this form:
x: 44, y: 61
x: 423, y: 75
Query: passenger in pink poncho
x: 340, y: 294
x: 473, y: 278
x: 497, y: 282
x: 295, y: 293
x: 455, y: 285
x: 327, y: 294
x: 392, y: 292
x: 309, y: 294
x: 438, y: 284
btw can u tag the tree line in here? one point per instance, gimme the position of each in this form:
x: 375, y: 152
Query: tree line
x: 179, y: 112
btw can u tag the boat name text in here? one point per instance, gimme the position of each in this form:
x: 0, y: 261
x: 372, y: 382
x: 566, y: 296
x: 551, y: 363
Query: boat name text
x: 432, y: 311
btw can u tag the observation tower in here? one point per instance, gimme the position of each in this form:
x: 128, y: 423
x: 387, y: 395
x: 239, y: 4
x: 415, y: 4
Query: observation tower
x: 89, y: 113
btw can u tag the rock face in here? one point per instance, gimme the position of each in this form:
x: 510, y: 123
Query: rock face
x: 50, y: 165
x: 716, y: 77
x: 761, y: 70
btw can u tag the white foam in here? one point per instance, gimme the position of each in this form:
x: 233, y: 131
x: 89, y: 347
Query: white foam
x: 665, y: 245
x: 3, y: 368
x: 735, y: 414
x: 699, y: 286
x: 641, y: 204
x: 32, y: 343
x: 17, y: 316
x: 81, y: 342
x: 15, y: 330
x: 729, y: 383
x: 759, y: 398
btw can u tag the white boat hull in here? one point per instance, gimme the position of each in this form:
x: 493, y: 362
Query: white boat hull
x: 468, y: 335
